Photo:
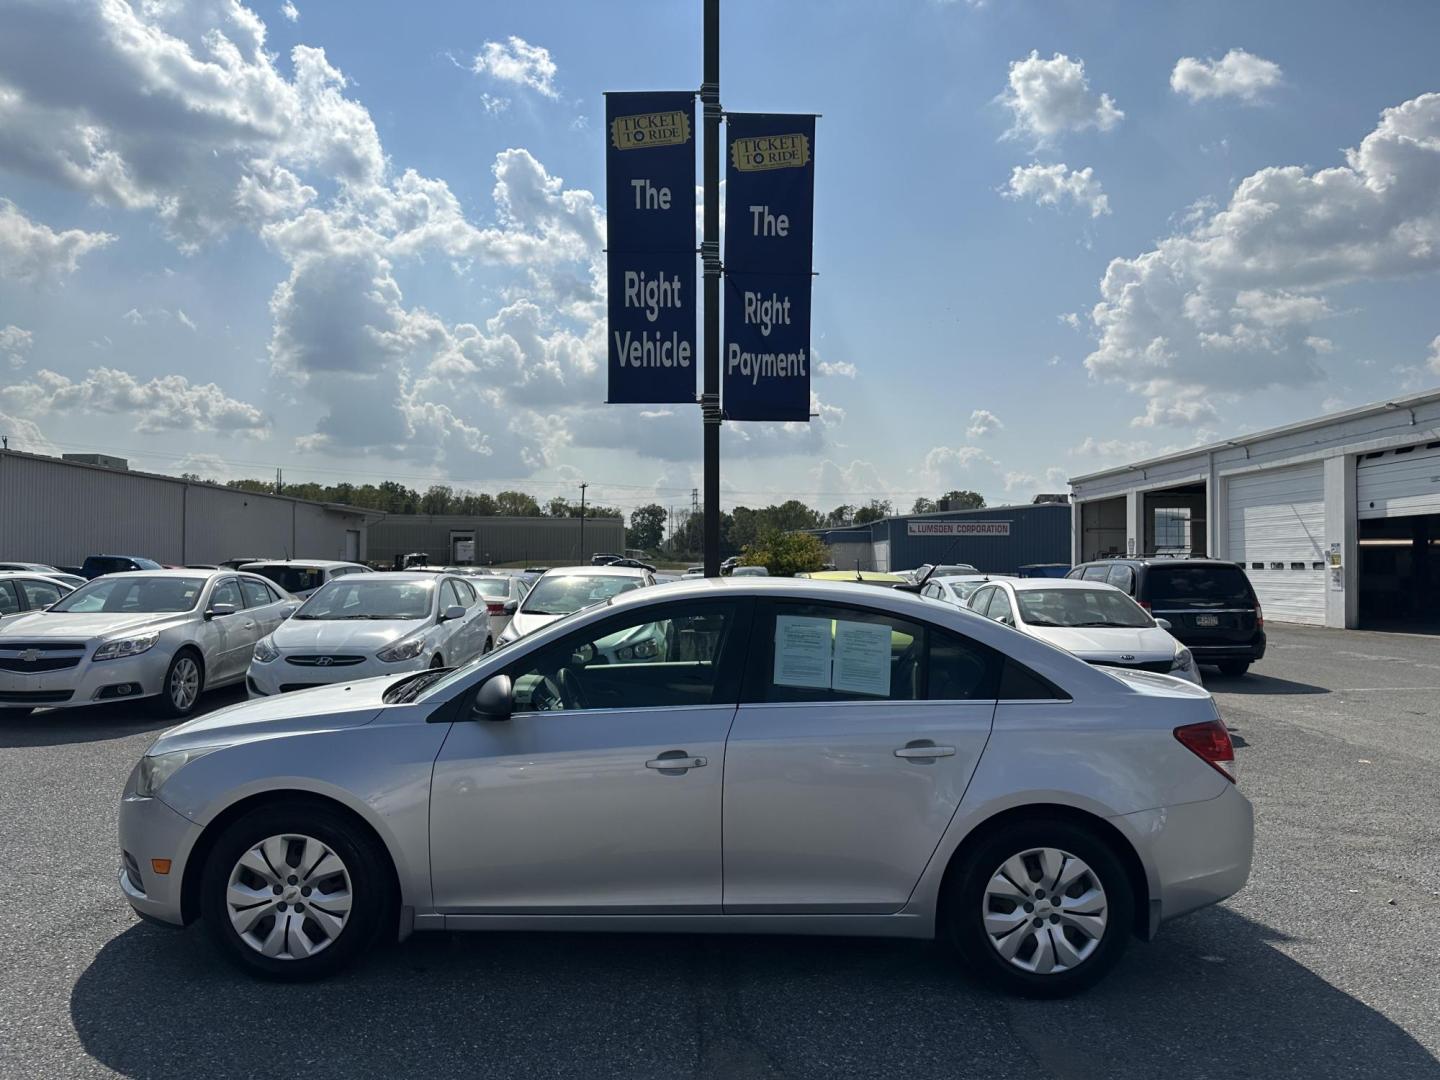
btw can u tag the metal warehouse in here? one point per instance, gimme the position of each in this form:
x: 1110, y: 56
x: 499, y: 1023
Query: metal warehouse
x: 58, y: 511
x: 464, y: 539
x: 997, y: 539
x: 1336, y: 520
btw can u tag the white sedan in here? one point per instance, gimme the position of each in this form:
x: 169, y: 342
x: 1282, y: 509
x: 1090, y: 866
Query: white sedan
x: 1096, y: 622
x: 567, y: 589
x: 364, y: 625
x: 955, y: 588
x: 23, y: 591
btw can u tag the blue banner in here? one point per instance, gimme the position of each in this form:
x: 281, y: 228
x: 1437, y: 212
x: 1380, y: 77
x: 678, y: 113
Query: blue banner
x: 769, y: 229
x: 650, y: 215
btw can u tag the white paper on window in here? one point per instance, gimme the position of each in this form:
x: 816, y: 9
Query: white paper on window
x: 802, y: 652
x: 862, y: 658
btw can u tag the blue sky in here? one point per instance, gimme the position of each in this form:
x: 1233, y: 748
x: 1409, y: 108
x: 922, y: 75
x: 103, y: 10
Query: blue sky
x: 223, y: 249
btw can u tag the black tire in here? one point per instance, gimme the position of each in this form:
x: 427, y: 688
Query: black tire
x: 966, y: 905
x: 15, y: 714
x: 362, y: 857
x: 164, y: 704
x: 1234, y: 668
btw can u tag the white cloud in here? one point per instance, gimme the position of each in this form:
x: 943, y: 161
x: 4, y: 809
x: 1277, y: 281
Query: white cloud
x: 983, y: 422
x: 947, y: 467
x: 1014, y: 481
x: 839, y: 368
x: 134, y: 317
x: 494, y: 104
x: 1050, y: 185
x: 184, y: 319
x: 14, y: 344
x: 1057, y: 479
x: 168, y: 403
x: 1051, y: 97
x: 835, y: 484
x: 1177, y: 412
x: 1237, y: 74
x: 1070, y: 319
x: 290, y: 11
x: 24, y: 434
x: 1433, y: 361
x: 1111, y: 448
x: 1229, y: 306
x: 31, y: 250
x: 516, y: 61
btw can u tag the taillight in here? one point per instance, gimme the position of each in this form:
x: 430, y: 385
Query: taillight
x: 1211, y: 743
x: 495, y: 609
x: 1259, y: 617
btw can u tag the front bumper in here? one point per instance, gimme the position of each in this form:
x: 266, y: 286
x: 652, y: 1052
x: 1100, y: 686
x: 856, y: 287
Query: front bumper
x: 280, y: 676
x: 150, y: 830
x: 89, y: 683
x: 1199, y: 853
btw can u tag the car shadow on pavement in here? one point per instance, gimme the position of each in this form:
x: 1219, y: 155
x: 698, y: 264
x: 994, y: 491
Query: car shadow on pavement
x: 1214, y: 996
x: 94, y: 723
x: 1258, y: 684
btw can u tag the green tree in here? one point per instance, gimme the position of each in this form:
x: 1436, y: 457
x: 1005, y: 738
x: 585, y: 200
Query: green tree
x: 963, y: 500
x: 924, y: 506
x: 842, y: 515
x: 787, y: 554
x: 877, y: 509
x: 516, y: 504
x: 438, y: 499
x: 647, y: 527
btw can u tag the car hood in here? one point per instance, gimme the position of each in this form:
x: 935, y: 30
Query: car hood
x: 1108, y: 642
x: 364, y: 635
x: 341, y: 705
x: 525, y: 623
x: 71, y: 626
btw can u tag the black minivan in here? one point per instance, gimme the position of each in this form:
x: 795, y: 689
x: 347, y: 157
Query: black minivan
x: 1210, y: 605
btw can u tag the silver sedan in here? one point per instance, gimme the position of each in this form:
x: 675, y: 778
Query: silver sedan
x: 166, y: 635
x: 807, y: 757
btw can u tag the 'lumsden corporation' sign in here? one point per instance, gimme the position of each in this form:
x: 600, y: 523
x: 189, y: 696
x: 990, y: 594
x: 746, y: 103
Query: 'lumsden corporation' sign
x: 958, y: 528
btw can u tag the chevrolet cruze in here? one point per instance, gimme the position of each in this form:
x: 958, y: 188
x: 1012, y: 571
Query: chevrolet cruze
x: 806, y: 757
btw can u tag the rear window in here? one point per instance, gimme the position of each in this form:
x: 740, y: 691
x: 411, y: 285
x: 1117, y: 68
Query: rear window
x: 492, y: 587
x: 291, y: 578
x: 1198, y: 584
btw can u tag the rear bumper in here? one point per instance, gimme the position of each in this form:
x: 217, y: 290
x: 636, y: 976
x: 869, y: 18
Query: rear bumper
x: 1212, y: 652
x: 1199, y: 853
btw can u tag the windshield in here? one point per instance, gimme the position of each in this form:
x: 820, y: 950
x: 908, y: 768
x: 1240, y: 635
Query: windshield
x: 491, y: 587
x: 134, y: 595
x: 1209, y: 585
x: 955, y: 568
x: 1080, y: 607
x: 290, y: 578
x: 563, y: 593
x: 963, y: 589
x: 366, y: 598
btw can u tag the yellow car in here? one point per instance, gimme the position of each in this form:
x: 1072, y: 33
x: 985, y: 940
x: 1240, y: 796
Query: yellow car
x: 865, y: 577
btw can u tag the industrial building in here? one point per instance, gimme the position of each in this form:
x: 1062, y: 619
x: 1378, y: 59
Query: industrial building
x: 58, y: 511
x: 1336, y: 519
x: 996, y: 539
x: 463, y: 539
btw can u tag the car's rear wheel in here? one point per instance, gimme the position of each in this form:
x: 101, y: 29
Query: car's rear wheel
x: 293, y: 891
x: 184, y: 683
x: 1044, y: 908
x: 1234, y: 667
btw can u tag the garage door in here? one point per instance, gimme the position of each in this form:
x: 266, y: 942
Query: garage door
x: 1277, y: 532
x: 1399, y: 483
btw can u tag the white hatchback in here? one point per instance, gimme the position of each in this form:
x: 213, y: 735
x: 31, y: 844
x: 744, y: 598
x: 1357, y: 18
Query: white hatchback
x: 365, y: 625
x: 1096, y: 622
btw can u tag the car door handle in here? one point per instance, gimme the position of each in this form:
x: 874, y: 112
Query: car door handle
x: 676, y: 761
x: 921, y: 750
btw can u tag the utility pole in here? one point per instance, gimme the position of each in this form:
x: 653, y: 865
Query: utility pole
x: 710, y: 256
x: 583, y: 486
x: 279, y: 481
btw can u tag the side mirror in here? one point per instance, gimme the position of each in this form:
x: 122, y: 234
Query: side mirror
x: 495, y: 700
x: 1163, y: 624
x: 454, y: 611
x: 511, y: 606
x: 217, y: 611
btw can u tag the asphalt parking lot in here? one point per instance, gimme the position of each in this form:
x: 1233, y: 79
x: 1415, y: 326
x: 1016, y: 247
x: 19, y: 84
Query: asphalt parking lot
x: 1325, y: 966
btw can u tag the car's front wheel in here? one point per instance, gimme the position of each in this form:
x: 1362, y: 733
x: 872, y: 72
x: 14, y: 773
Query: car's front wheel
x: 1044, y: 908
x: 184, y: 683
x: 293, y: 891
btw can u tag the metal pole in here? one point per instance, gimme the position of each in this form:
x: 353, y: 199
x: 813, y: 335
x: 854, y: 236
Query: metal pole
x: 710, y: 254
x: 582, y: 521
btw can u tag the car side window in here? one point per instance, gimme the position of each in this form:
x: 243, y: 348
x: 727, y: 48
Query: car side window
x: 682, y: 654
x: 1000, y: 607
x: 449, y: 597
x: 39, y: 594
x: 227, y: 592
x: 9, y: 602
x: 959, y: 669
x: 980, y: 602
x: 1122, y: 577
x: 816, y: 652
x: 255, y: 592
x: 1075, y: 574
x: 1095, y: 573
x: 466, y: 593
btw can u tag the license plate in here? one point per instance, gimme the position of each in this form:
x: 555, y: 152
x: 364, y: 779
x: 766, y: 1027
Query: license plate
x: 1207, y: 620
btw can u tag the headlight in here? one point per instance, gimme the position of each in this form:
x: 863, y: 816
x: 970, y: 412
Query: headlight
x: 406, y: 649
x: 265, y: 651
x: 152, y: 772
x: 121, y: 647
x: 1184, y: 661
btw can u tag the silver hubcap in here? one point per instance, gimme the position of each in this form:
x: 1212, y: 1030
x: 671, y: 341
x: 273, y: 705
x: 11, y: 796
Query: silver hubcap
x: 1044, y: 911
x: 289, y: 897
x: 184, y: 683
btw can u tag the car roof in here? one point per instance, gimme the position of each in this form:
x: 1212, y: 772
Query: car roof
x: 53, y: 575
x: 619, y: 571
x: 854, y: 575
x: 968, y: 577
x: 1028, y: 583
x: 317, y: 564
x: 395, y: 575
x: 1161, y: 560
x: 183, y: 572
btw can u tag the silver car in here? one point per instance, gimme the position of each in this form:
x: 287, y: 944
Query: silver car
x: 167, y: 635
x: 809, y: 757
x: 23, y: 591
